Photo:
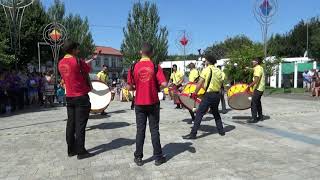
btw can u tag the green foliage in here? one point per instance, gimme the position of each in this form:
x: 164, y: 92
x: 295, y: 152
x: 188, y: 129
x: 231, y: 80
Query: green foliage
x: 34, y: 20
x: 143, y: 26
x: 294, y: 43
x: 222, y: 49
x: 57, y: 11
x: 78, y: 30
x: 240, y: 59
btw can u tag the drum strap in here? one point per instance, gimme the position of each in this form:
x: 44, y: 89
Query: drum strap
x: 210, y: 77
x: 85, y: 76
x: 155, y: 68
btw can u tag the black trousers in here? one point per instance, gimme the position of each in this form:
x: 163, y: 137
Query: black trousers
x: 151, y: 112
x: 256, y: 107
x: 78, y: 109
x: 210, y: 100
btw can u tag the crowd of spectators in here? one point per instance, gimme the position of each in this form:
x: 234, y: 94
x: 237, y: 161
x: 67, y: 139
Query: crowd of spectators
x: 21, y: 89
x: 311, y: 81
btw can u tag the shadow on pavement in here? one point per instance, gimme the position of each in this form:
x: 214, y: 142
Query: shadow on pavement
x: 109, y: 125
x: 114, y: 144
x: 173, y: 149
x: 98, y: 116
x: 249, y: 117
x: 209, y: 130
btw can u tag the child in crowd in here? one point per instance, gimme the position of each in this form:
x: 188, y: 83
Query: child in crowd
x: 33, y: 89
x: 61, y: 93
x: 49, y: 88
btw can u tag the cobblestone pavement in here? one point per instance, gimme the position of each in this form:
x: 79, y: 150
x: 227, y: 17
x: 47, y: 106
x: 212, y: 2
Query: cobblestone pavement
x: 284, y: 146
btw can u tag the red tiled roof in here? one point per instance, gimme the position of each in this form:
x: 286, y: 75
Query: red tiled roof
x: 108, y: 51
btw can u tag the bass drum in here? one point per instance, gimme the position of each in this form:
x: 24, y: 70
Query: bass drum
x: 238, y: 97
x: 100, y: 96
x: 186, y: 100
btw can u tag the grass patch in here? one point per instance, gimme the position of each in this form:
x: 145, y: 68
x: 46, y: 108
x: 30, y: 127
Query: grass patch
x: 270, y: 91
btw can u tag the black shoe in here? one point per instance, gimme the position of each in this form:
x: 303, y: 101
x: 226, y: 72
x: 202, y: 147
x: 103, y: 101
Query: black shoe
x: 251, y: 121
x: 222, y: 133
x: 261, y: 118
x: 160, y: 161
x: 138, y: 161
x: 71, y: 152
x: 84, y: 155
x: 224, y: 112
x: 190, y: 136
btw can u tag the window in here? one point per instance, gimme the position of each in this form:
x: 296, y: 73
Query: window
x: 114, y: 62
x: 106, y: 61
x: 98, y: 62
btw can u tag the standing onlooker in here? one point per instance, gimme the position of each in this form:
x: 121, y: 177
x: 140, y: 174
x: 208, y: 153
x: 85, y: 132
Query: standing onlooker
x: 49, y: 88
x: 41, y: 88
x: 33, y: 89
x: 3, y: 93
x: 61, y: 98
x: 306, y: 80
x: 24, y: 86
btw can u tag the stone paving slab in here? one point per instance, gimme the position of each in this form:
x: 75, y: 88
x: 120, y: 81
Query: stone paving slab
x: 284, y: 146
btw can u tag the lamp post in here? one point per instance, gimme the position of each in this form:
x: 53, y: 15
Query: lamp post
x: 264, y: 11
x: 55, y: 34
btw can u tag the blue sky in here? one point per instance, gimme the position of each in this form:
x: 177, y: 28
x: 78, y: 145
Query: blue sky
x: 206, y: 21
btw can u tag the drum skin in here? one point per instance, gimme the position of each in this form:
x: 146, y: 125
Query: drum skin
x: 100, y: 96
x: 188, y: 102
x: 191, y: 88
x: 238, y: 97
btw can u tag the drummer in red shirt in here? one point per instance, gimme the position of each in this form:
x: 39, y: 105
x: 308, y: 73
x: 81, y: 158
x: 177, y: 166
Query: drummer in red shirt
x: 74, y: 73
x: 147, y: 79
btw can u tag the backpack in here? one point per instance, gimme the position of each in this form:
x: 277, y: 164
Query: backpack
x: 155, y: 70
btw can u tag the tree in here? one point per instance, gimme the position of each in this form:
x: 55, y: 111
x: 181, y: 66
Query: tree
x: 78, y: 30
x: 241, y: 58
x: 34, y: 20
x: 222, y: 49
x: 143, y: 26
x: 57, y: 11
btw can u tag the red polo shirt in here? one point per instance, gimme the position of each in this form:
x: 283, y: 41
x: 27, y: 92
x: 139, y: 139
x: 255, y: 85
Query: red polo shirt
x: 75, y: 82
x: 145, y: 82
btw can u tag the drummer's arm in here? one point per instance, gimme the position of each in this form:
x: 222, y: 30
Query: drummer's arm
x: 255, y: 81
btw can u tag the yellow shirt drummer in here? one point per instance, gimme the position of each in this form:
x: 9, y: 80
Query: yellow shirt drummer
x: 211, y: 80
x: 103, y: 74
x: 258, y: 85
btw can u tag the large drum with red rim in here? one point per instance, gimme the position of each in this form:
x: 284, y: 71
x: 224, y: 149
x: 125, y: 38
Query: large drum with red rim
x: 100, y: 96
x: 238, y: 97
x: 186, y: 100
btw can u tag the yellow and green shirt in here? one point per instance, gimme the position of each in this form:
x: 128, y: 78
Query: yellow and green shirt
x: 216, y: 78
x: 103, y: 76
x: 194, y: 74
x: 176, y: 77
x: 259, y: 72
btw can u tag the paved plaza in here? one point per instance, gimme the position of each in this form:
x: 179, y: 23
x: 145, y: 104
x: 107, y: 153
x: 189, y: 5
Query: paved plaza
x: 284, y: 146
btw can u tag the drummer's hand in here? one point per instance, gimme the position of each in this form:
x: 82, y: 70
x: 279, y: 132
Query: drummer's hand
x: 193, y: 95
x: 94, y: 57
x: 248, y: 89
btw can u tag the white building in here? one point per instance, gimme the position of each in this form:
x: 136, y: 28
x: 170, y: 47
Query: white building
x: 110, y: 57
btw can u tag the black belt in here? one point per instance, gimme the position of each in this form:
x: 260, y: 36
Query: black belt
x: 214, y: 92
